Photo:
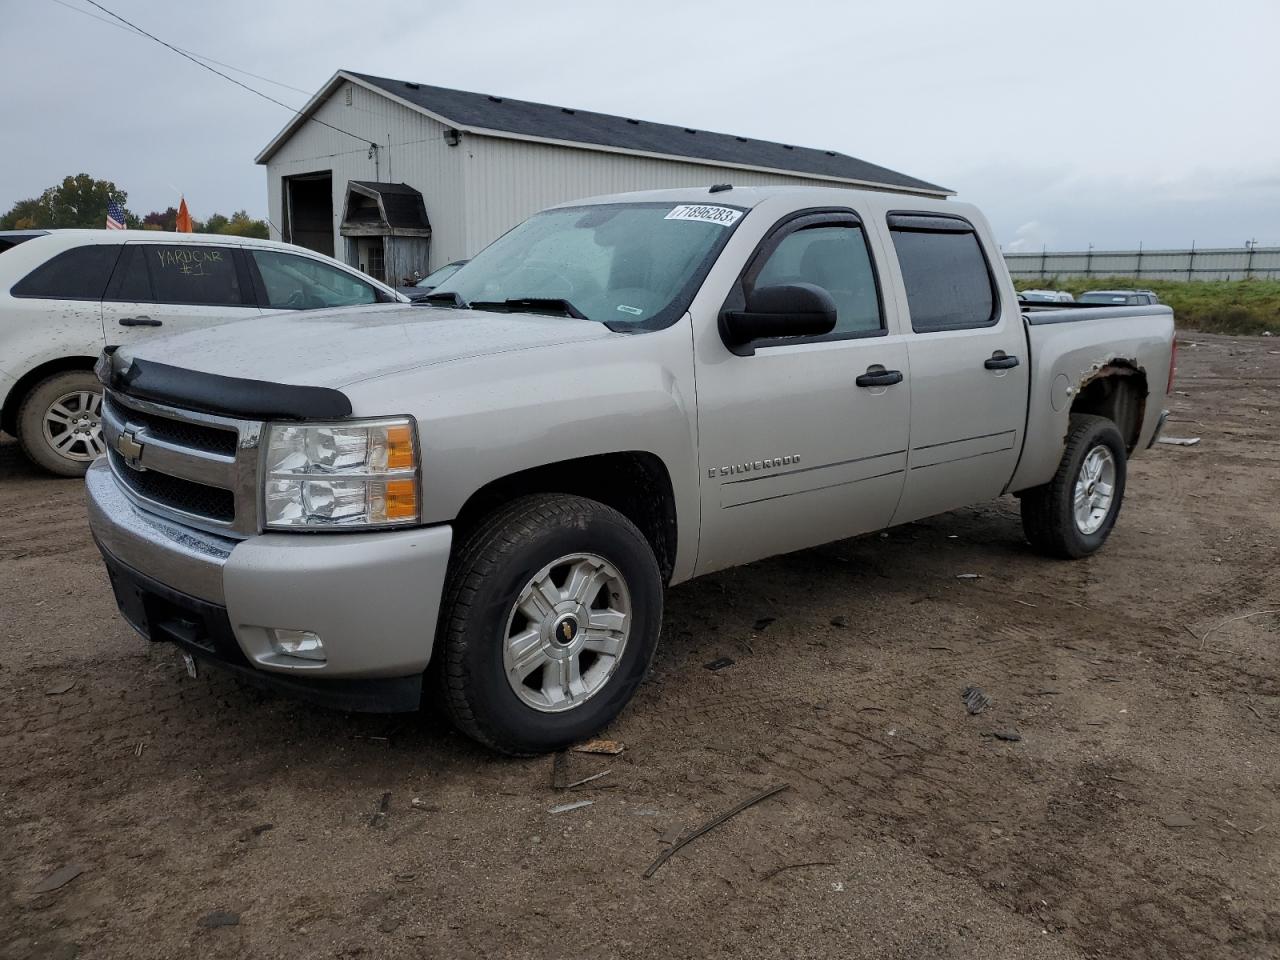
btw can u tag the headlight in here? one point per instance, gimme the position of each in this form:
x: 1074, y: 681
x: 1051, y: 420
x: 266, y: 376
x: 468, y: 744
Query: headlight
x: 350, y: 474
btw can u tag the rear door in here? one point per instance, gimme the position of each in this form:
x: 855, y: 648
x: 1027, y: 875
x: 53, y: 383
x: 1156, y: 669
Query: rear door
x: 54, y: 307
x: 170, y: 287
x: 969, y: 366
x: 794, y: 450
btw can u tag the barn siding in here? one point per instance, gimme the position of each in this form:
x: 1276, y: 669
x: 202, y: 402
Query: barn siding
x: 508, y: 180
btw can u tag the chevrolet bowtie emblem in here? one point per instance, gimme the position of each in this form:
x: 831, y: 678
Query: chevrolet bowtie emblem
x: 128, y: 447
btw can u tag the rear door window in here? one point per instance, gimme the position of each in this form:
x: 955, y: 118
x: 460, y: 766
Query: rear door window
x: 130, y: 282
x: 77, y: 274
x: 948, y: 281
x: 291, y: 282
x: 191, y: 273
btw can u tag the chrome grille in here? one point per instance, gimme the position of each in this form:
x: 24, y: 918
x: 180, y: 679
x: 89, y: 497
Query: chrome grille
x: 197, y: 468
x: 185, y: 496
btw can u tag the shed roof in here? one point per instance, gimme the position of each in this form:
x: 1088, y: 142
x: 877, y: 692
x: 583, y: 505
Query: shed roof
x: 522, y: 119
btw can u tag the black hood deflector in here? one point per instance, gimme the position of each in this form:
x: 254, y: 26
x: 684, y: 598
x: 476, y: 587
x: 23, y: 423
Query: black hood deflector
x: 213, y: 393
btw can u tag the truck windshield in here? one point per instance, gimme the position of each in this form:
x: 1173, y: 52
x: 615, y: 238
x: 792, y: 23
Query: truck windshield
x: 631, y: 266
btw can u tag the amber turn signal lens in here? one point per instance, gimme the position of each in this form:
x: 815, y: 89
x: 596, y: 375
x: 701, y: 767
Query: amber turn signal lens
x: 402, y: 500
x: 399, y: 447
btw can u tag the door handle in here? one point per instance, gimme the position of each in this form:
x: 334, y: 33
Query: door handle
x: 140, y: 322
x: 1000, y: 361
x: 879, y: 378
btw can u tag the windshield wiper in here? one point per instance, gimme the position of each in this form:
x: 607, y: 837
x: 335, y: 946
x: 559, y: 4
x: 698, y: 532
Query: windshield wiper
x: 549, y: 305
x: 451, y: 297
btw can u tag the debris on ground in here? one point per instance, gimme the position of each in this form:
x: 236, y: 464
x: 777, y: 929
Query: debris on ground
x: 719, y: 663
x: 1179, y: 441
x: 795, y: 866
x: 586, y: 780
x: 1012, y: 736
x: 710, y: 825
x: 839, y: 621
x: 219, y: 918
x: 670, y: 835
x: 968, y: 576
x: 61, y: 687
x: 610, y: 747
x: 251, y: 832
x: 59, y: 878
x: 1243, y: 616
x: 379, y: 819
x: 566, y: 807
x: 975, y: 699
x: 559, y: 769
x: 419, y: 804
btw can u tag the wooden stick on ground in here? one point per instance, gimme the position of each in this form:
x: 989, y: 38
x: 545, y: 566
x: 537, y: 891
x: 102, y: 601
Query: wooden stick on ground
x: 711, y: 825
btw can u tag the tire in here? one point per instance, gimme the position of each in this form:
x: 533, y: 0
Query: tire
x: 60, y: 423
x: 484, y: 638
x: 1049, y: 517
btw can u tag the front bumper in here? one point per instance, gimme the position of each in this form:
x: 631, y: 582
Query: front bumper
x: 373, y: 598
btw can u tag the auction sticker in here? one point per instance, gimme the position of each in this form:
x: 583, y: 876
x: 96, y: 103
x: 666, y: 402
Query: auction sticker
x: 725, y: 216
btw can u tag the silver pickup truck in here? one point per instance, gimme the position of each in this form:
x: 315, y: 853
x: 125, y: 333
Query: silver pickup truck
x: 479, y: 501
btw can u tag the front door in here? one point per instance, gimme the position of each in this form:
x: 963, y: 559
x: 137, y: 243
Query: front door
x: 160, y: 288
x: 793, y: 451
x: 969, y: 367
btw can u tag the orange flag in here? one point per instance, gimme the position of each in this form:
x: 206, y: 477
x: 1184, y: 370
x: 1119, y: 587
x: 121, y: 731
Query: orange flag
x: 184, y: 217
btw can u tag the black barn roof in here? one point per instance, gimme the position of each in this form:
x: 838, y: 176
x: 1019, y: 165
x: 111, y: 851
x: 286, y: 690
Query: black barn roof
x: 499, y: 116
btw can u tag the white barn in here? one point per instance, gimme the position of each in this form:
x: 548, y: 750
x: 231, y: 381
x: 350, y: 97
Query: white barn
x: 399, y: 178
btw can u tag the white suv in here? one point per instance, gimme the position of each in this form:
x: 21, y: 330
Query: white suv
x: 66, y: 294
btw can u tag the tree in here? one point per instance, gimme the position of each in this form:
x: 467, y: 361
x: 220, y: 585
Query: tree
x: 157, y: 220
x: 239, y: 225
x: 78, y: 201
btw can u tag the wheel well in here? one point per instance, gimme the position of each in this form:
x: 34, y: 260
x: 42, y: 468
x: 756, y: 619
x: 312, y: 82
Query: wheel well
x: 635, y: 484
x: 9, y: 415
x: 1117, y: 391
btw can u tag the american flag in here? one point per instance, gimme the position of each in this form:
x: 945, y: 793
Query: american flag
x: 115, y: 216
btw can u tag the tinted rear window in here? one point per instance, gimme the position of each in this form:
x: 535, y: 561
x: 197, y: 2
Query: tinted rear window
x: 947, y: 280
x: 77, y: 274
x: 193, y: 274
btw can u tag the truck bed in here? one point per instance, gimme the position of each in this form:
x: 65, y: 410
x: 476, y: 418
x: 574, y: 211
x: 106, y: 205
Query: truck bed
x: 1037, y: 314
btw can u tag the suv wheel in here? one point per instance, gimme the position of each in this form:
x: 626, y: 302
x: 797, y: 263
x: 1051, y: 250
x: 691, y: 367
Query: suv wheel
x: 60, y: 423
x: 1072, y: 515
x: 550, y: 621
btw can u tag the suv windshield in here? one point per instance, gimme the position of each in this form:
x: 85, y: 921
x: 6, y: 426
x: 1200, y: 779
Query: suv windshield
x: 631, y: 266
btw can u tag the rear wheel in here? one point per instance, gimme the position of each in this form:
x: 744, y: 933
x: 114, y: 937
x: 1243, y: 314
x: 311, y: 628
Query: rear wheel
x: 1072, y: 515
x: 60, y: 423
x: 550, y: 621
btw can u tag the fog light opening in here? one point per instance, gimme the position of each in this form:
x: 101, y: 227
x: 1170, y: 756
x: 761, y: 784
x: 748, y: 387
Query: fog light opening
x: 297, y: 643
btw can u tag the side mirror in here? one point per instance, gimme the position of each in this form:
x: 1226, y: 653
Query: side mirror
x: 786, y: 310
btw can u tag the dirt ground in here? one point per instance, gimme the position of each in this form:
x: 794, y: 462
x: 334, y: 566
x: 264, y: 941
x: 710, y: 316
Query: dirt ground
x: 1137, y: 817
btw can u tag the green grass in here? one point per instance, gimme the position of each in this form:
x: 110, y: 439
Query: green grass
x: 1241, y: 307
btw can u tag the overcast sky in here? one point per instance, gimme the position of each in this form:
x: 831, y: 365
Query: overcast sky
x: 1069, y: 123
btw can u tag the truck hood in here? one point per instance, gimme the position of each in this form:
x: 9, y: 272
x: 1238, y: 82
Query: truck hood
x: 335, y: 348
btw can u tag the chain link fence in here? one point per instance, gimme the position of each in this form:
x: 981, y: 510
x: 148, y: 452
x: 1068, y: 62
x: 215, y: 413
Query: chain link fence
x: 1238, y: 263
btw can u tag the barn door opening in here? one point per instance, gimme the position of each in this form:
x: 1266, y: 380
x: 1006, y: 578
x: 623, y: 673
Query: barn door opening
x: 308, y: 211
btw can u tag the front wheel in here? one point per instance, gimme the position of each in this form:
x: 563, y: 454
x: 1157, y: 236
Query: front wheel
x: 1072, y: 515
x: 60, y: 423
x: 550, y: 621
